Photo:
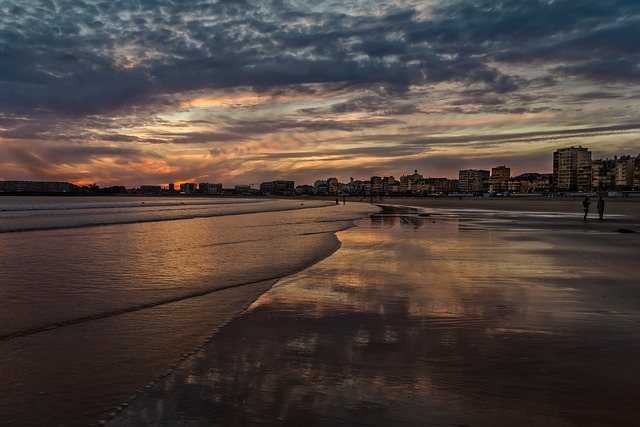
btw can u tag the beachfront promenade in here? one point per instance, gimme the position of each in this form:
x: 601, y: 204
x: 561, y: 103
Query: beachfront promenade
x: 483, y: 313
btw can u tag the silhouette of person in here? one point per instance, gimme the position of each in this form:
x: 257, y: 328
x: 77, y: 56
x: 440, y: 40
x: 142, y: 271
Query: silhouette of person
x: 600, y: 207
x: 337, y: 201
x: 344, y: 200
x: 585, y: 207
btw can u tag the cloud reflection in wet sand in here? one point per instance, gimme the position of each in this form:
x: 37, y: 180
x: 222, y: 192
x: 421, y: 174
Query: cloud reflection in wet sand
x: 425, y: 321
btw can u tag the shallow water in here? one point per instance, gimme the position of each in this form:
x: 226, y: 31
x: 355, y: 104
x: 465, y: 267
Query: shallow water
x: 426, y: 321
x: 100, y: 297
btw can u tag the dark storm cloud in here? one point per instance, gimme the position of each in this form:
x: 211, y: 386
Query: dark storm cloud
x: 71, y: 56
x: 602, y: 70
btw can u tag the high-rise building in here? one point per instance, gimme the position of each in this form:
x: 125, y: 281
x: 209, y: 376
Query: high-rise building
x: 624, y: 173
x: 376, y: 184
x: 389, y: 185
x: 572, y: 169
x: 603, y: 174
x: 500, y: 179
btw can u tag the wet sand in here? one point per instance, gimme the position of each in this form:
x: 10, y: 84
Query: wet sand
x: 476, y: 316
x: 616, y: 209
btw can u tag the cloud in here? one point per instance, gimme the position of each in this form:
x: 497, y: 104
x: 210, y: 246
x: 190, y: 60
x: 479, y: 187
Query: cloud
x: 605, y: 71
x: 118, y: 74
x: 92, y: 58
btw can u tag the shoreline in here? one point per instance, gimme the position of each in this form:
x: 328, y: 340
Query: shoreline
x: 440, y: 319
x: 67, y: 365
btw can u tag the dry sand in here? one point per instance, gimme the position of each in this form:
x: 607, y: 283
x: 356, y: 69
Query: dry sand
x: 483, y: 313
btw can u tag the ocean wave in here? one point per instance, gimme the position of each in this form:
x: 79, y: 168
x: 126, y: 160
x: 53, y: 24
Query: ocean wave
x: 112, y: 205
x: 38, y: 217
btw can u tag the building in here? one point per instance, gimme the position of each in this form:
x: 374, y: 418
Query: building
x: 624, y: 171
x: 390, y: 185
x: 407, y: 182
x: 242, y: 188
x: 603, y: 174
x: 305, y: 190
x: 376, y: 185
x: 334, y: 186
x: 499, y: 180
x: 37, y: 187
x: 188, y: 188
x: 266, y: 187
x: 473, y: 181
x: 433, y: 186
x: 150, y: 189
x: 543, y: 183
x: 530, y: 183
x: 208, y: 188
x: 281, y: 187
x: 321, y: 187
x: 572, y: 169
x: 357, y: 187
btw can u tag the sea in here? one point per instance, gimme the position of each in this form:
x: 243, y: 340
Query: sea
x: 101, y: 297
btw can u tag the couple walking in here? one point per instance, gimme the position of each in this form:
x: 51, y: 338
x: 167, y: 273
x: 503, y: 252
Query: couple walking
x: 600, y: 206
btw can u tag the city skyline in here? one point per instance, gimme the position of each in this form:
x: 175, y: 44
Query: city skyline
x: 154, y: 92
x: 616, y: 158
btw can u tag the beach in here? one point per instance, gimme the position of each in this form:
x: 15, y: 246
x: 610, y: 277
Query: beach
x: 456, y: 312
x: 101, y: 297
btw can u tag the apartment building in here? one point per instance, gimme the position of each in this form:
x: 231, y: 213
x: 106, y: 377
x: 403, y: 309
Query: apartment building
x: 624, y: 169
x: 572, y: 169
x: 37, y: 187
x: 321, y: 187
x: 209, y: 188
x: 188, y: 188
x: 407, y: 182
x: 500, y: 179
x: 603, y: 174
x: 473, y: 180
x: 376, y: 184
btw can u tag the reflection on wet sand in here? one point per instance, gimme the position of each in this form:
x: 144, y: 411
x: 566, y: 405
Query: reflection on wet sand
x: 416, y: 321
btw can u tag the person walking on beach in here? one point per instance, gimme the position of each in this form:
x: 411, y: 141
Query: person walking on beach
x: 600, y: 207
x: 585, y: 207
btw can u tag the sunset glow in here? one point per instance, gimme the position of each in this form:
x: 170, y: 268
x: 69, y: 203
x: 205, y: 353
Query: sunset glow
x: 151, y: 93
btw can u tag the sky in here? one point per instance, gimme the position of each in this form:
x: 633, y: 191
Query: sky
x: 147, y: 92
